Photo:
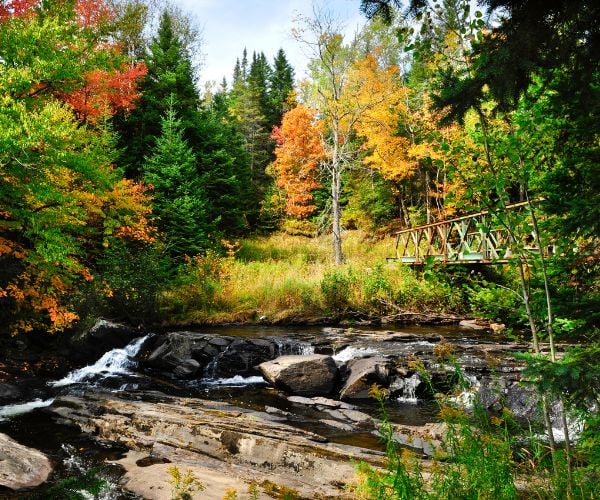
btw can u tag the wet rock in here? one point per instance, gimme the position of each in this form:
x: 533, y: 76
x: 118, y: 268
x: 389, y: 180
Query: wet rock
x: 337, y: 424
x: 363, y: 373
x: 9, y: 393
x: 21, y: 467
x: 304, y: 375
x: 224, y: 356
x: 426, y: 439
x: 188, y: 368
x: 100, y: 338
x: 320, y: 402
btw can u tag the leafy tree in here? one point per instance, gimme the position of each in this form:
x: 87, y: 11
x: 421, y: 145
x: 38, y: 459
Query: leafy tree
x: 297, y: 155
x: 340, y: 91
x: 61, y: 200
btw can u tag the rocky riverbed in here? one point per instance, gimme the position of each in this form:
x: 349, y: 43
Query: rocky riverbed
x: 281, y: 408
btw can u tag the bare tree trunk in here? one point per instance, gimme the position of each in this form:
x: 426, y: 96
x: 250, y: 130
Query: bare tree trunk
x: 336, y: 233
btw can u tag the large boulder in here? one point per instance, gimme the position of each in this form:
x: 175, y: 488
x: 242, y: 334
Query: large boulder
x: 311, y: 375
x: 363, y: 373
x: 21, y: 467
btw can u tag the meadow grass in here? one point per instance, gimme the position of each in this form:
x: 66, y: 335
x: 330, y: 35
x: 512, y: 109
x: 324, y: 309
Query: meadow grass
x: 282, y: 277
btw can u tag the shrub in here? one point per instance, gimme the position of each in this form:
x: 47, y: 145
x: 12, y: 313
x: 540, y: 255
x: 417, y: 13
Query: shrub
x: 335, y: 288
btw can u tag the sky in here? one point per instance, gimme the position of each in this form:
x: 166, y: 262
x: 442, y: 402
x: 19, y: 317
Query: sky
x: 259, y: 25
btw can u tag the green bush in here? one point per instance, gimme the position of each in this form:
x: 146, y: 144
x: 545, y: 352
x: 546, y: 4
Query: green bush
x: 336, y: 286
x: 496, y: 303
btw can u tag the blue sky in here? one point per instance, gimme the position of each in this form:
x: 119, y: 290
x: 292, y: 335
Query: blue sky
x: 260, y: 25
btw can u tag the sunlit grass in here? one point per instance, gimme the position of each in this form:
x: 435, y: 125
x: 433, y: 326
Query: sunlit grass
x: 282, y: 277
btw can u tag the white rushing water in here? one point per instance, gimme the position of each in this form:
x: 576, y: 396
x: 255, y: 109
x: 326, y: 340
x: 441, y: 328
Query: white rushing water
x: 9, y: 411
x: 408, y: 386
x: 350, y: 352
x: 238, y: 380
x: 115, y: 362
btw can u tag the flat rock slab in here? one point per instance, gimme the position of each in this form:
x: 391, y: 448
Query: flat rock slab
x: 219, y: 435
x: 20, y: 466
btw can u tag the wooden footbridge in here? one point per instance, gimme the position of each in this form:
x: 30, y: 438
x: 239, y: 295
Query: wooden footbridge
x: 471, y: 239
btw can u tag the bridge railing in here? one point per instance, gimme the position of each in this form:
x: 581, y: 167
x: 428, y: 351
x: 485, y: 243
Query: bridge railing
x: 473, y: 238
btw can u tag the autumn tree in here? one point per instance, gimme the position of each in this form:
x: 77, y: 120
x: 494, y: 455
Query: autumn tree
x: 298, y: 154
x: 61, y: 201
x: 339, y: 90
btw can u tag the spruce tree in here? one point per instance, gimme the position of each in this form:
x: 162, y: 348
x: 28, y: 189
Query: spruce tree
x: 169, y: 74
x: 281, y: 86
x: 180, y: 200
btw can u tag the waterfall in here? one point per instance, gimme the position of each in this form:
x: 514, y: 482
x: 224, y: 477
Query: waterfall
x: 115, y: 362
x: 408, y: 387
x: 466, y: 398
x: 9, y: 411
x: 236, y: 381
x: 350, y: 352
x: 286, y: 347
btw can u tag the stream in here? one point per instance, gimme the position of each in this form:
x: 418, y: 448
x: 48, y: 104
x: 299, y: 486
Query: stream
x: 127, y: 372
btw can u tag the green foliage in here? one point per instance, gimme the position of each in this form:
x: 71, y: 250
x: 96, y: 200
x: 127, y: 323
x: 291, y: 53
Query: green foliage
x: 403, y: 477
x: 475, y: 459
x: 197, y: 284
x: 78, y: 487
x: 370, y: 204
x: 496, y: 303
x: 131, y: 279
x: 169, y: 74
x: 180, y: 199
x: 335, y: 288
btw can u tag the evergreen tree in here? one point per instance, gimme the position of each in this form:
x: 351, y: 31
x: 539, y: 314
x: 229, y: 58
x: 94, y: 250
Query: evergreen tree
x: 281, y: 86
x: 169, y: 74
x: 180, y: 200
x: 224, y: 164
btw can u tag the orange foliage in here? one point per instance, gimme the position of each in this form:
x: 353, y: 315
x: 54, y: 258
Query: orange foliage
x: 17, y: 8
x: 106, y: 92
x: 298, y: 153
x: 94, y: 12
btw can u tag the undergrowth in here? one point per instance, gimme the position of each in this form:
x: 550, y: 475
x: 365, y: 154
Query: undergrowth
x: 482, y: 455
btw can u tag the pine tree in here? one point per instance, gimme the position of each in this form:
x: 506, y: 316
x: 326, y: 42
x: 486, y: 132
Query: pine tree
x: 281, y: 86
x: 169, y: 74
x: 224, y: 163
x: 180, y: 200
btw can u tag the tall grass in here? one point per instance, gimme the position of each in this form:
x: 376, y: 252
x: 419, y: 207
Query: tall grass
x: 283, y: 277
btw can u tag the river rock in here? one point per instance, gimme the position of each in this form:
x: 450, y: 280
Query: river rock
x: 20, y: 466
x: 363, y: 373
x: 235, y: 442
x: 311, y: 375
x: 100, y: 338
x: 221, y: 356
x: 9, y: 393
x: 188, y: 368
x: 426, y: 439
